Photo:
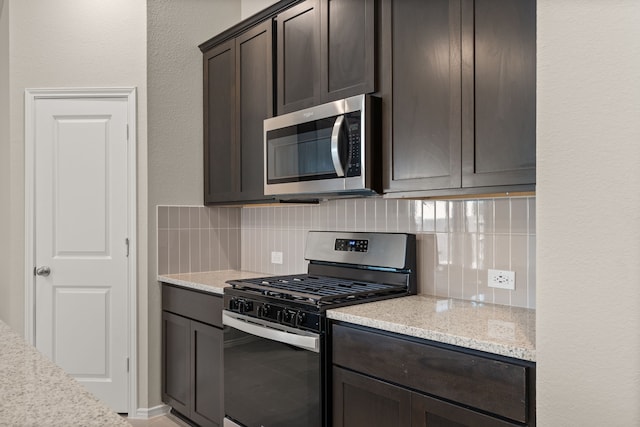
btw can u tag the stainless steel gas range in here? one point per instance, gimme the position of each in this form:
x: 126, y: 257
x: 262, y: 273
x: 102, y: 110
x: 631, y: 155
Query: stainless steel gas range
x: 275, y: 352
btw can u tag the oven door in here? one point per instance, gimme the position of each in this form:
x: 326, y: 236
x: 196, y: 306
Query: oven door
x: 272, y: 374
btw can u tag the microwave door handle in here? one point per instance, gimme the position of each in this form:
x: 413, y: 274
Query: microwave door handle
x: 335, y: 146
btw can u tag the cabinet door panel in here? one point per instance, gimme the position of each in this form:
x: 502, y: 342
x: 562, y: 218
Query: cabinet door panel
x: 423, y: 52
x: 499, y: 144
x: 220, y: 156
x: 298, y: 35
x: 255, y: 103
x: 348, y: 48
x: 176, y: 360
x: 429, y: 412
x: 206, y: 374
x: 362, y: 401
x: 481, y: 382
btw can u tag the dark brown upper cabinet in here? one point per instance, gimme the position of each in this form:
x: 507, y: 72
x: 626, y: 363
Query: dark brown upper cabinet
x: 220, y: 157
x: 499, y: 92
x: 238, y: 89
x: 422, y: 84
x: 347, y: 48
x: 298, y: 52
x: 326, y: 51
x: 459, y: 77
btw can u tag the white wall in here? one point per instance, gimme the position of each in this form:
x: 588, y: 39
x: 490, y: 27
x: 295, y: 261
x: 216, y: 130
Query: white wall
x: 175, y: 29
x: 251, y: 7
x: 5, y: 288
x: 588, y: 195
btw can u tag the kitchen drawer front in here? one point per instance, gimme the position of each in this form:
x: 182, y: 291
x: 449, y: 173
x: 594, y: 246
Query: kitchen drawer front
x: 200, y: 306
x: 490, y: 385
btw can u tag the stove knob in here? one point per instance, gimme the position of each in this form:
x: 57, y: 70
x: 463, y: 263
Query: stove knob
x: 233, y: 304
x: 245, y: 306
x: 264, y: 310
x: 284, y: 316
x: 299, y: 318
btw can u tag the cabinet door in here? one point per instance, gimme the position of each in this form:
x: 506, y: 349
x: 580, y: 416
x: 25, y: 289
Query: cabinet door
x: 429, y: 412
x: 176, y: 362
x: 254, y: 97
x: 360, y: 401
x: 298, y: 35
x: 499, y: 90
x: 206, y: 374
x: 221, y: 167
x: 347, y: 48
x: 421, y: 49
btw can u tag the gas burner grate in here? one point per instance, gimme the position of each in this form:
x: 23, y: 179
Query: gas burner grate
x: 318, y: 289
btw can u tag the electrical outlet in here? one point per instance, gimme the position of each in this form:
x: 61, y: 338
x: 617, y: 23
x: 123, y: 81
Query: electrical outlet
x: 276, y: 257
x: 502, y: 279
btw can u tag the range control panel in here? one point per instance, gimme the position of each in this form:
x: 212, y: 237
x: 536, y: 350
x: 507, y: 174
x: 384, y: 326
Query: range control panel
x: 352, y: 245
x: 282, y: 314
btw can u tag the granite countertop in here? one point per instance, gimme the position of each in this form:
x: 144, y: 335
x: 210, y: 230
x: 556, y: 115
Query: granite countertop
x: 36, y: 392
x: 208, y: 281
x: 498, y: 329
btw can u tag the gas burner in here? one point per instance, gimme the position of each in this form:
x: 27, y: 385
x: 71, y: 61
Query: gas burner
x: 316, y: 289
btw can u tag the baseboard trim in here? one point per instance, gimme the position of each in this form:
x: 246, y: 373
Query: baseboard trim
x: 148, y: 413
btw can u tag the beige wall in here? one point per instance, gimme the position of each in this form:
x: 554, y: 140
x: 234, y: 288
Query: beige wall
x: 75, y: 43
x: 5, y: 155
x: 588, y: 195
x: 250, y: 7
x: 66, y: 44
x: 175, y: 29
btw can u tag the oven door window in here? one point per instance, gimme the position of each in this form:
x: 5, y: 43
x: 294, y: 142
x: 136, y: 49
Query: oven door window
x: 301, y: 152
x: 270, y: 384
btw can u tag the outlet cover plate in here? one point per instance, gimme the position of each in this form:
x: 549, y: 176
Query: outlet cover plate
x: 276, y: 257
x: 502, y: 279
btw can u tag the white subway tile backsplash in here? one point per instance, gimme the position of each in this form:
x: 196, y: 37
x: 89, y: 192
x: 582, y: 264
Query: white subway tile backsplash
x: 519, y: 216
x: 428, y: 216
x: 458, y: 240
x: 501, y: 216
x: 442, y: 216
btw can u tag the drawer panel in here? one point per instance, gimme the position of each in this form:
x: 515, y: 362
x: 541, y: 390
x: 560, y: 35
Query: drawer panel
x: 491, y: 385
x: 200, y: 306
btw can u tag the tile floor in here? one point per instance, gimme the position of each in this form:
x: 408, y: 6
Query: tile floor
x: 163, y: 421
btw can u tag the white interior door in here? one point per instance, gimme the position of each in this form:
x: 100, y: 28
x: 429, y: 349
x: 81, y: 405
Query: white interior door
x: 81, y: 225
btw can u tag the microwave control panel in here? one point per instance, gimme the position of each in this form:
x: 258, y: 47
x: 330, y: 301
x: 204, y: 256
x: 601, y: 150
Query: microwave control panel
x: 354, y: 154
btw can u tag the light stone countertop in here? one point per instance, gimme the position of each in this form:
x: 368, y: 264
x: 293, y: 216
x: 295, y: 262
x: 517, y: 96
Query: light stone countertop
x: 208, y: 281
x: 498, y: 329
x: 35, y: 392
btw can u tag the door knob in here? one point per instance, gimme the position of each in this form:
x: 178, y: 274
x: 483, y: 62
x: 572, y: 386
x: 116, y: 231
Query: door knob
x: 43, y: 271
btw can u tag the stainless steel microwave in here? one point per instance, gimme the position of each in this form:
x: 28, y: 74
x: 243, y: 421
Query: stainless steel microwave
x: 329, y: 150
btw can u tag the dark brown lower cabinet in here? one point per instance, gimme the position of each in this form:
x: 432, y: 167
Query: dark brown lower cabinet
x: 385, y: 380
x: 192, y: 355
x: 360, y: 400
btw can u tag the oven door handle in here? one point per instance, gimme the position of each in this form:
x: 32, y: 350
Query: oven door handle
x: 260, y: 329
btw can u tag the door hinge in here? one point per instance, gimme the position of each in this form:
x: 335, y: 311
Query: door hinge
x: 127, y: 364
x: 126, y: 242
x: 127, y: 132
